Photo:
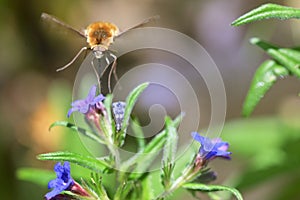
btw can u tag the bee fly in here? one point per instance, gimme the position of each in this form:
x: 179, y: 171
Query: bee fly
x: 118, y: 109
x: 99, y: 36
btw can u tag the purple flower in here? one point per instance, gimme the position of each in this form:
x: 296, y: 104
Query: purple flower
x: 84, y: 105
x: 211, y: 148
x: 63, y: 181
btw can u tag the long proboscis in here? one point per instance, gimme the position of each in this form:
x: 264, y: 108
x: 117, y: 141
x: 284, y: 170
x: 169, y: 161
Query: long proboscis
x: 73, y: 60
x: 51, y: 18
x: 143, y: 23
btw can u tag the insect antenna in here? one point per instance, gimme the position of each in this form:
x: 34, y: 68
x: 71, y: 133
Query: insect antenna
x: 72, y: 61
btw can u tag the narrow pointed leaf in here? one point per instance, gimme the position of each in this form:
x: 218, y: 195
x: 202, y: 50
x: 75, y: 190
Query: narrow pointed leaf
x: 130, y: 102
x: 73, y: 127
x: 212, y: 188
x: 264, y: 77
x: 267, y: 11
x: 262, y: 44
x: 286, y: 60
x: 169, y: 153
x: 171, y: 142
x: 147, y: 187
x: 89, y: 162
x: 289, y: 58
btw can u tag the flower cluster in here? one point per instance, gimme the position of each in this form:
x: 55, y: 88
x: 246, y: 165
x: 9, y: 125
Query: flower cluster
x: 97, y: 115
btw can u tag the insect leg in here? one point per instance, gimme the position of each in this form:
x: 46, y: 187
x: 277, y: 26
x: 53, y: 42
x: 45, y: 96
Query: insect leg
x: 96, y: 73
x: 106, y: 67
x: 72, y: 61
x: 114, y: 67
x: 112, y: 70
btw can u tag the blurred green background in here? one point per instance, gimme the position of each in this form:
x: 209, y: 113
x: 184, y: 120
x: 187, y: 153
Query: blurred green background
x: 265, y: 162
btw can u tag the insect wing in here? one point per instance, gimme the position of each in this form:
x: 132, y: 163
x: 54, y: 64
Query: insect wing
x: 141, y: 24
x: 118, y: 109
x: 50, y: 20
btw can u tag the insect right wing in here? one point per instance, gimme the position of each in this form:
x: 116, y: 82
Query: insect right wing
x: 141, y: 24
x: 49, y: 19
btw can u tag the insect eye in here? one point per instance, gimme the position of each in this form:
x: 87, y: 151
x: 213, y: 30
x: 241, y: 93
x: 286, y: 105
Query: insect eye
x: 103, y: 34
x: 118, y: 109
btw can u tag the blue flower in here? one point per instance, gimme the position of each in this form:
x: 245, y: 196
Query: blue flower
x: 63, y: 181
x: 90, y: 101
x: 211, y: 148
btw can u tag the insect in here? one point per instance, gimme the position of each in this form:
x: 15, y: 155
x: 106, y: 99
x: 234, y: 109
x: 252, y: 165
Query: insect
x: 99, y: 36
x: 118, y: 109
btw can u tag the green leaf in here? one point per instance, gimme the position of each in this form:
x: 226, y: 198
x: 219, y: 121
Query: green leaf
x: 37, y: 176
x: 286, y: 60
x: 264, y: 77
x: 130, y: 102
x: 263, y: 44
x: 287, y: 57
x: 138, y: 132
x: 147, y: 189
x: 73, y: 127
x: 169, y: 153
x: 212, y: 188
x: 89, y: 162
x: 282, y: 142
x: 267, y: 11
x: 171, y: 143
x: 292, y: 53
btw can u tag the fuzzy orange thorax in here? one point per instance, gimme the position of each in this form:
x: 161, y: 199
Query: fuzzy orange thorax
x: 101, y: 33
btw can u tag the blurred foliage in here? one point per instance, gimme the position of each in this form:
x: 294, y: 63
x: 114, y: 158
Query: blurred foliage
x: 269, y: 148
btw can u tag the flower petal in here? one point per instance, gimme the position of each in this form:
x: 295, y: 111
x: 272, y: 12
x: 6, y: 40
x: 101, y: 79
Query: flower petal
x: 91, y: 94
x: 97, y: 99
x: 77, y: 103
x: 52, y: 194
x: 63, y: 181
x: 71, y: 111
x: 211, y: 148
x: 197, y: 137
